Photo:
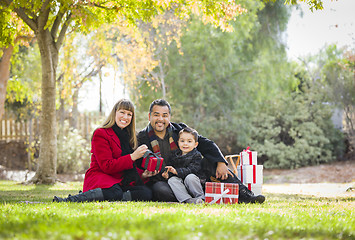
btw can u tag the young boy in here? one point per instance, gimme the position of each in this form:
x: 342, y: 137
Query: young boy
x: 183, y: 170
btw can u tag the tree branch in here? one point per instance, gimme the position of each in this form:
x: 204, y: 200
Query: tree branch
x: 21, y: 13
x: 5, y: 3
x: 63, y: 32
x: 43, y: 16
x: 56, y: 23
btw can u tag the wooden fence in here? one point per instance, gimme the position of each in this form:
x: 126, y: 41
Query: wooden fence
x: 17, y: 130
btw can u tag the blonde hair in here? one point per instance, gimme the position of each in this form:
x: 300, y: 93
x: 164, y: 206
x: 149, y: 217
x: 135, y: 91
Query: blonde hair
x: 124, y: 104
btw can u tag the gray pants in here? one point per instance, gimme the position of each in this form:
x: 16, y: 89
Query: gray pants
x: 189, y: 188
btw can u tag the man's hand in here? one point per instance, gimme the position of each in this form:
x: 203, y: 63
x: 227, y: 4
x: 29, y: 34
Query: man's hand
x: 222, y: 171
x: 147, y: 174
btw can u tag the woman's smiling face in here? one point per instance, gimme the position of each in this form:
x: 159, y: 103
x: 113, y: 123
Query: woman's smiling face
x: 123, y: 118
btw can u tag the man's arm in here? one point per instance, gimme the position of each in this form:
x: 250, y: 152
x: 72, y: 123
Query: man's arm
x: 210, y: 150
x: 214, y: 155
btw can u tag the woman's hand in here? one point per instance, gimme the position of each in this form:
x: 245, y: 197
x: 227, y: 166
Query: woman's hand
x: 139, y: 152
x: 147, y: 174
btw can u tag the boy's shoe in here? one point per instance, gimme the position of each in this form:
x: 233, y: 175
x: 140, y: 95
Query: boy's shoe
x: 194, y: 200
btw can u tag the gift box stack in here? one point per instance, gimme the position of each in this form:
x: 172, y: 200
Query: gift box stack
x: 249, y: 172
x: 221, y: 193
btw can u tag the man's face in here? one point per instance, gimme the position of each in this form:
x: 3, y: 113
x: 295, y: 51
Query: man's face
x: 159, y: 118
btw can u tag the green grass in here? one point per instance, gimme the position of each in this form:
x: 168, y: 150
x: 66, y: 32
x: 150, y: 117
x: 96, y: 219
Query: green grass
x: 280, y: 217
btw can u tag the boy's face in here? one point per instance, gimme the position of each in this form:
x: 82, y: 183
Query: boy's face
x: 187, y: 142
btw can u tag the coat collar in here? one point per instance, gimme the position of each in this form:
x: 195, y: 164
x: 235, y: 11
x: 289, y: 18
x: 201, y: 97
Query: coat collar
x: 112, y: 134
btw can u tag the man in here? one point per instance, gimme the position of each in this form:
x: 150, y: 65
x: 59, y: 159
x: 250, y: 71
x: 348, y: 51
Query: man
x: 161, y: 136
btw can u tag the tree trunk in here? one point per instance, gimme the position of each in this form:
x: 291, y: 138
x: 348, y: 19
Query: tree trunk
x: 162, y: 80
x: 75, y: 110
x: 4, y: 76
x: 47, y: 163
x: 100, y: 78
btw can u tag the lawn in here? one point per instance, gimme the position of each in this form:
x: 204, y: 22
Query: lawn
x: 280, y: 217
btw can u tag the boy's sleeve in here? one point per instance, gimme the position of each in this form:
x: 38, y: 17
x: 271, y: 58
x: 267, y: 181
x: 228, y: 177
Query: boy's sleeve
x: 193, y: 167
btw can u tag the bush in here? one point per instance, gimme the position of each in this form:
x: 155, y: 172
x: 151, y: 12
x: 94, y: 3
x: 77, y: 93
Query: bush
x: 296, y: 131
x: 73, y: 154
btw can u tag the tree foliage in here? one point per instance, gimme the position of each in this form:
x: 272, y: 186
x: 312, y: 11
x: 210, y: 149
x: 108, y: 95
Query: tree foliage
x: 295, y: 131
x: 239, y: 89
x: 50, y: 21
x: 332, y: 70
x: 229, y: 74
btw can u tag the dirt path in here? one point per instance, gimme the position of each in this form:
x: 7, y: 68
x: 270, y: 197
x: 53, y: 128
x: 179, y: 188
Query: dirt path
x: 336, y: 172
x: 327, y: 180
x: 314, y: 189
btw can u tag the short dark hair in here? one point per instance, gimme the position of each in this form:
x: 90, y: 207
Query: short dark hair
x: 159, y: 102
x: 191, y: 131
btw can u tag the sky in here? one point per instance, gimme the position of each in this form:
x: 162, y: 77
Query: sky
x: 112, y: 91
x: 305, y: 35
x: 334, y: 24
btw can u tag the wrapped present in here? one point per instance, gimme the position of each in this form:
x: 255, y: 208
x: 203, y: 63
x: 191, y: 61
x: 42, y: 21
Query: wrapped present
x: 250, y: 173
x: 221, y: 193
x: 152, y: 161
x: 255, y: 188
x: 248, y: 157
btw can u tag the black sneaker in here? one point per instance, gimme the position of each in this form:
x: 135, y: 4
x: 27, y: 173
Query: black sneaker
x: 247, y: 196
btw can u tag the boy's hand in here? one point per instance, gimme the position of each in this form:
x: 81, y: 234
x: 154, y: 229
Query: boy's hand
x: 165, y: 175
x: 171, y: 169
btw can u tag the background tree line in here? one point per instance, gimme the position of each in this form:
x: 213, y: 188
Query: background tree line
x: 237, y: 88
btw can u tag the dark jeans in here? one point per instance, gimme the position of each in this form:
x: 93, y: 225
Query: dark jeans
x: 162, y: 192
x: 138, y: 193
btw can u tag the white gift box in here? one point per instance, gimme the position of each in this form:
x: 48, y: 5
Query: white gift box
x: 248, y: 158
x: 250, y: 174
x: 255, y: 188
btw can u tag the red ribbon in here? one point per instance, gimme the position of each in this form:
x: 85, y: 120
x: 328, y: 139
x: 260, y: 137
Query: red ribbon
x: 250, y: 156
x: 254, y: 173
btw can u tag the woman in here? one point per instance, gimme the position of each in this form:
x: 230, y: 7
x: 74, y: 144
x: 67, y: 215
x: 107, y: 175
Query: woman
x: 113, y: 175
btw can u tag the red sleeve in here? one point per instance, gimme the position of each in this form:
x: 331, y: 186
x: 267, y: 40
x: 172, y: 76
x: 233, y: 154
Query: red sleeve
x: 108, y: 153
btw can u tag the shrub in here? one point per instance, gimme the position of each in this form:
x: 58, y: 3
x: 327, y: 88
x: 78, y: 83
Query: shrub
x: 296, y: 131
x: 73, y: 154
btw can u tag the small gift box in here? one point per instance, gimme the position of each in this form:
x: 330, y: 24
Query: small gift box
x: 255, y: 188
x: 250, y: 173
x: 248, y: 157
x: 152, y: 161
x: 221, y: 193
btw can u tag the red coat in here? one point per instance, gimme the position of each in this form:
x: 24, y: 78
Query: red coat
x: 107, y: 163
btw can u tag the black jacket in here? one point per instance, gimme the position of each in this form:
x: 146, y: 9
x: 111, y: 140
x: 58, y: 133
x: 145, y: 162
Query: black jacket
x: 209, y: 150
x: 186, y: 164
